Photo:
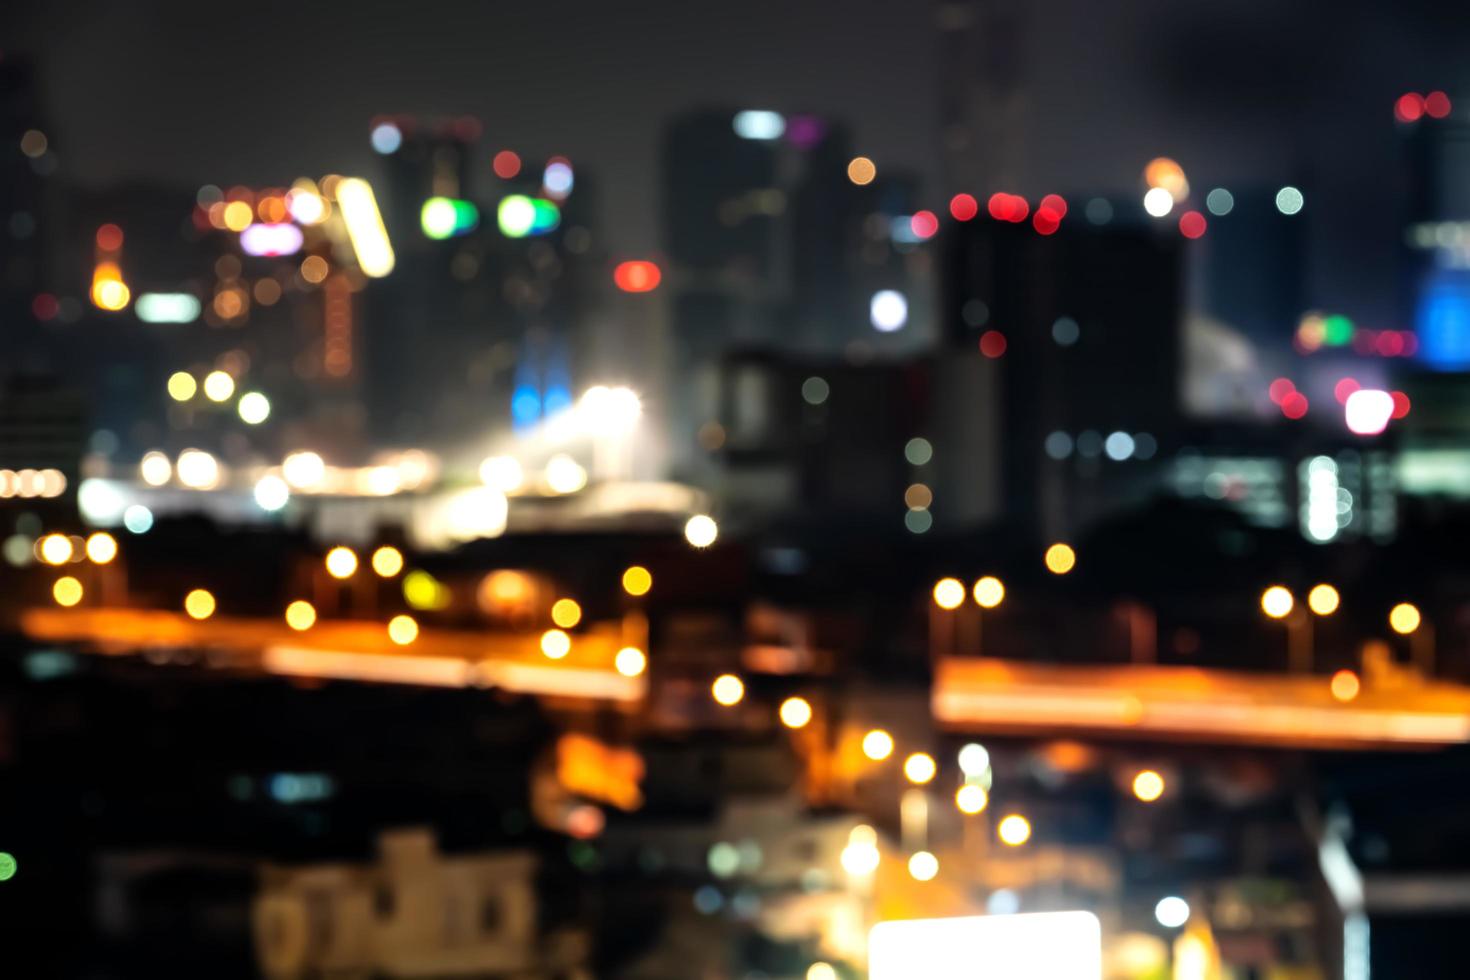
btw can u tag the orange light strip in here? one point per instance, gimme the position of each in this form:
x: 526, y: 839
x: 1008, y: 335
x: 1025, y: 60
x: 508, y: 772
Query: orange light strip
x: 977, y: 694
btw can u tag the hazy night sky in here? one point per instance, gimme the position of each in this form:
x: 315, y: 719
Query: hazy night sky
x: 1254, y: 92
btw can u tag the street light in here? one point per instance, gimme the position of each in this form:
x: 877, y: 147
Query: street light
x: 949, y: 593
x: 1406, y: 620
x: 989, y: 592
x: 1277, y: 602
x: 1323, y: 600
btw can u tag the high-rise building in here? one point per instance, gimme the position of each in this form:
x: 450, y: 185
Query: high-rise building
x: 1083, y: 327
x: 773, y: 244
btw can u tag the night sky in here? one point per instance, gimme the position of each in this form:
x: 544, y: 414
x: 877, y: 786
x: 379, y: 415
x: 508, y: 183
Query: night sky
x: 1249, y: 92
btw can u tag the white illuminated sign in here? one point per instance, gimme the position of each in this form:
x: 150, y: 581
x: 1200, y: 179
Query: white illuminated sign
x: 1041, y: 946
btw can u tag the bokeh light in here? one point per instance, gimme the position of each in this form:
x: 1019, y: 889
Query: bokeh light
x: 566, y: 613
x: 1148, y: 786
x: 1323, y: 599
x: 971, y: 799
x: 637, y: 580
x: 1060, y: 558
x: 701, y: 530
x: 989, y: 592
x: 630, y: 661
x: 199, y: 604
x: 387, y: 561
x: 101, y: 547
x: 1013, y: 830
x: 923, y: 866
x: 341, y: 562
x: 1345, y: 686
x: 1277, y: 602
x: 555, y: 644
x: 796, y: 712
x: 877, y: 745
x: 300, y: 615
x: 728, y: 690
x: 949, y: 593
x: 920, y: 768
x: 1404, y: 618
x: 403, y: 629
x: 861, y: 170
x: 67, y: 591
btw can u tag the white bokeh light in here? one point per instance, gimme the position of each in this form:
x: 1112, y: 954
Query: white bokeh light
x: 888, y: 310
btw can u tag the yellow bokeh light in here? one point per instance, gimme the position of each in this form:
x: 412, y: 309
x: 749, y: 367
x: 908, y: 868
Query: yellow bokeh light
x: 949, y: 593
x: 111, y: 294
x: 728, y: 690
x: 555, y: 644
x: 1404, y: 618
x: 989, y: 592
x: 1060, y: 559
x: 1345, y: 685
x: 218, y: 386
x: 238, y: 216
x: 923, y: 866
x: 1013, y: 830
x: 821, y: 971
x: 403, y: 629
x: 971, y: 799
x: 630, y: 661
x: 55, y: 549
x: 637, y: 580
x: 182, y: 386
x: 1323, y: 600
x: 1277, y: 602
x: 1148, y: 786
x: 301, y: 615
x: 796, y: 712
x: 919, y: 768
x: 101, y: 547
x: 341, y: 562
x: 67, y: 591
x: 387, y: 561
x: 861, y: 170
x: 199, y: 604
x: 566, y: 613
x: 877, y: 745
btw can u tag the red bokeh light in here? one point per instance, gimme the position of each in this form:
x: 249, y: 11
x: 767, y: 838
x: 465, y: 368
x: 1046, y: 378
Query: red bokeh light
x: 506, y: 164
x: 1343, y: 388
x: 992, y: 343
x: 109, y: 238
x: 1008, y: 207
x: 1401, y: 404
x: 1191, y: 224
x: 637, y: 276
x: 963, y: 207
x: 1390, y: 343
x: 1437, y: 104
x: 1294, y: 405
x: 1411, y: 343
x: 1279, y: 389
x: 44, y: 306
x: 1409, y: 107
x: 1056, y: 203
x: 924, y: 224
x: 1046, y: 221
